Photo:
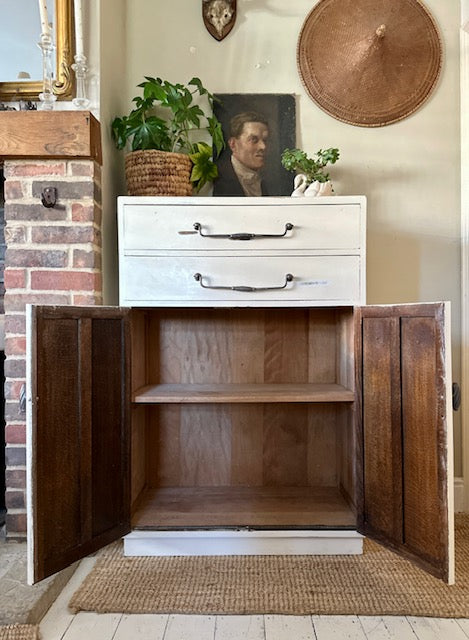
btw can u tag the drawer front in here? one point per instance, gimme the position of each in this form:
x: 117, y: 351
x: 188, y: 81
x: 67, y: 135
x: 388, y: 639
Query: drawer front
x: 153, y: 228
x: 319, y: 280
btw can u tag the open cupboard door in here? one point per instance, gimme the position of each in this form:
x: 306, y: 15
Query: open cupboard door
x: 404, y: 429
x: 78, y: 434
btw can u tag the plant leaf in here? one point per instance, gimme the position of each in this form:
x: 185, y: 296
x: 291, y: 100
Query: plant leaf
x: 143, y: 130
x: 297, y: 160
x: 204, y: 169
x: 215, y: 130
x: 196, y: 82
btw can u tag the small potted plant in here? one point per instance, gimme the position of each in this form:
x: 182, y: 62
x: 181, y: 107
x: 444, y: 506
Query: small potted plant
x: 311, y: 179
x: 165, y: 135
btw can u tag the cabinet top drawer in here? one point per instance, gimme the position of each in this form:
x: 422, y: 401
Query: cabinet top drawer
x: 237, y: 224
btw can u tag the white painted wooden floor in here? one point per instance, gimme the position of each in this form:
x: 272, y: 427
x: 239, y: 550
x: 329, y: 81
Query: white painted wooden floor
x: 60, y: 624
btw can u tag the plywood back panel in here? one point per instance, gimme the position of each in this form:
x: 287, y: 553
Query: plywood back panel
x: 247, y: 445
x: 242, y: 445
x: 271, y: 444
x: 164, y: 446
x: 322, y: 445
x: 249, y: 345
x: 322, y: 345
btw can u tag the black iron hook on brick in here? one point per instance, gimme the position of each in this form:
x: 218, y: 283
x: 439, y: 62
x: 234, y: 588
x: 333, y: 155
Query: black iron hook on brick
x: 49, y: 197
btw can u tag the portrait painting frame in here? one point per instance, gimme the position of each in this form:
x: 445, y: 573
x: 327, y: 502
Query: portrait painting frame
x: 279, y: 112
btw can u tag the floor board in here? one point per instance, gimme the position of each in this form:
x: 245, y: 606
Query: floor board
x: 92, y: 626
x: 436, y: 629
x: 464, y: 624
x: 58, y: 618
x: 236, y: 627
x: 141, y: 627
x: 338, y: 628
x: 190, y: 628
x: 387, y: 628
x: 289, y: 628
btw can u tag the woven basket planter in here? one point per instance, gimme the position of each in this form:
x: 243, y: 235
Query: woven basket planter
x: 158, y: 173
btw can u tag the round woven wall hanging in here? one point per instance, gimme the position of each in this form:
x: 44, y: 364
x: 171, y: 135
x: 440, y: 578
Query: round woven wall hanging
x: 369, y: 62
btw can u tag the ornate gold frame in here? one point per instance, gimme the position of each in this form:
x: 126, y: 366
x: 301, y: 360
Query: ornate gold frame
x: 64, y: 82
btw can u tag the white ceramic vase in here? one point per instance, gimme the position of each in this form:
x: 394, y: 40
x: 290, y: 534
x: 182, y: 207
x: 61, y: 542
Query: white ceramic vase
x: 315, y: 189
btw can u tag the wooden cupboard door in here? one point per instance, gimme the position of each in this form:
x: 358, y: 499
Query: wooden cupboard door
x: 404, y: 429
x: 78, y: 434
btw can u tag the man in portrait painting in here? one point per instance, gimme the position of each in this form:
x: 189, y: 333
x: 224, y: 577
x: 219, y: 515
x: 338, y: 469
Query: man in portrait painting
x: 241, y: 173
x: 257, y: 128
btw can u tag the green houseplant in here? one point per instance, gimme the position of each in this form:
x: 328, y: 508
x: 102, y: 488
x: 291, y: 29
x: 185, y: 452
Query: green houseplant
x: 165, y: 133
x: 312, y: 169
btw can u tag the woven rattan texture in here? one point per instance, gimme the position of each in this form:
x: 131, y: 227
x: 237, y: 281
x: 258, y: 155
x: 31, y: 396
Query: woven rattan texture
x: 158, y: 173
x: 19, y: 632
x: 369, y: 62
x: 377, y: 583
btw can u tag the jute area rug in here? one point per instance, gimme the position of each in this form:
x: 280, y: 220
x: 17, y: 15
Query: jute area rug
x: 19, y: 632
x: 376, y: 583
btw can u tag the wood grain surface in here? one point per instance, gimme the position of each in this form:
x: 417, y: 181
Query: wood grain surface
x: 242, y: 393
x: 244, y: 397
x: 403, y: 452
x: 236, y: 506
x: 50, y: 134
x: 80, y: 440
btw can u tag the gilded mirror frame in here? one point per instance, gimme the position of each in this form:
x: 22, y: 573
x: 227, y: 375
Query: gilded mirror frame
x: 64, y: 80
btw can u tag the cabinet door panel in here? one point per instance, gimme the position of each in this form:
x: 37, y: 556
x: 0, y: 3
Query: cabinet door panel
x: 405, y: 432
x: 381, y: 427
x: 78, y: 444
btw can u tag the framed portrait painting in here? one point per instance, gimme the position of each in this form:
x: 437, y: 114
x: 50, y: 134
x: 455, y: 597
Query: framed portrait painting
x: 257, y: 128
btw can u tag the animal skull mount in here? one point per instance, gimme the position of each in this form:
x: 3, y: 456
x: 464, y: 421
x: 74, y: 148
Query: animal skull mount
x: 219, y: 17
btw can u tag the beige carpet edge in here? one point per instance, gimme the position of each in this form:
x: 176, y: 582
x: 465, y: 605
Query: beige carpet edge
x: 19, y: 632
x: 377, y: 583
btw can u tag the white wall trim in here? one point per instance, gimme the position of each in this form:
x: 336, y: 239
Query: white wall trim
x: 459, y: 495
x: 464, y: 79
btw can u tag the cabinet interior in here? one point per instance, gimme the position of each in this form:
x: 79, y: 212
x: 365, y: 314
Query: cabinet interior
x: 242, y: 418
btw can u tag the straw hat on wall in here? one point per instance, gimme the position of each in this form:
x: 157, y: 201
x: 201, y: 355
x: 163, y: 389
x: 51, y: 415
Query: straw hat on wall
x: 369, y: 62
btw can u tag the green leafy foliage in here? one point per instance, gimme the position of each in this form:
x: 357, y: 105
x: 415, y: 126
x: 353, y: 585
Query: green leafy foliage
x: 166, y: 117
x: 313, y: 168
x: 204, y: 170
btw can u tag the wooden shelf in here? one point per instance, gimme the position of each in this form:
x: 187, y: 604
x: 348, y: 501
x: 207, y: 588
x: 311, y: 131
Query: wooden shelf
x: 241, y: 393
x: 50, y: 134
x: 243, y: 507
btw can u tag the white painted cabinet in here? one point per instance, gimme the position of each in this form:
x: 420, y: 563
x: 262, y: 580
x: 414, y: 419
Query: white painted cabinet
x: 242, y: 399
x: 242, y: 250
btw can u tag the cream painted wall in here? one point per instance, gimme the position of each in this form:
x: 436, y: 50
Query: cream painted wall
x: 409, y: 171
x: 113, y: 101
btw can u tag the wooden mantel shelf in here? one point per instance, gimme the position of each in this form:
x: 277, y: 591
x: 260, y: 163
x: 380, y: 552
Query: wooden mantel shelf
x: 49, y: 134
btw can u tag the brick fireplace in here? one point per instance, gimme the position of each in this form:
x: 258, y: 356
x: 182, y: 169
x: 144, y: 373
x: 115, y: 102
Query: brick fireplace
x: 53, y: 254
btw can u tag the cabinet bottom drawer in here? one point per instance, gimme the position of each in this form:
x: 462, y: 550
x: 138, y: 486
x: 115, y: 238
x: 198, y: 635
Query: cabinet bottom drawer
x: 250, y: 280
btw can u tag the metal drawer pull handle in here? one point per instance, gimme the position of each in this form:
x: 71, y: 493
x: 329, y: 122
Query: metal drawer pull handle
x: 242, y: 236
x: 198, y: 277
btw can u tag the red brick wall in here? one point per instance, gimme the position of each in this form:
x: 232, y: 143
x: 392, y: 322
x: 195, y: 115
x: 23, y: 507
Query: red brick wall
x: 53, y: 256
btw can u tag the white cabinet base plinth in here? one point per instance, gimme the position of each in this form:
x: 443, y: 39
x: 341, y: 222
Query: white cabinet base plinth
x: 226, y: 542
